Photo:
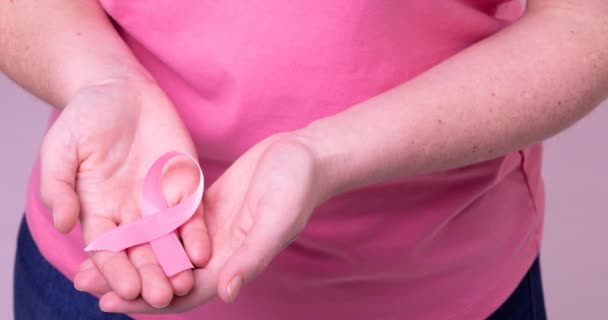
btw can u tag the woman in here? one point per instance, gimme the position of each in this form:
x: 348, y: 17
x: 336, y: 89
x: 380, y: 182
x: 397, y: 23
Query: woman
x: 366, y: 159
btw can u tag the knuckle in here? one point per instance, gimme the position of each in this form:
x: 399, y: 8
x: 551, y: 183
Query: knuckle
x: 265, y: 260
x: 239, y: 233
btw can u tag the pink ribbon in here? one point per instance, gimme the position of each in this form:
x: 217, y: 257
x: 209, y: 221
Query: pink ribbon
x: 158, y: 223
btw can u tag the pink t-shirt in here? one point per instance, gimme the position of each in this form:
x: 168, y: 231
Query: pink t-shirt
x: 448, y: 245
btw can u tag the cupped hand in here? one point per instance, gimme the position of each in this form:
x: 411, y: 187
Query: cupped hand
x: 93, y: 160
x: 253, y: 211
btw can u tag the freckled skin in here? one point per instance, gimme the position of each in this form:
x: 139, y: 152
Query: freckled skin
x: 543, y: 73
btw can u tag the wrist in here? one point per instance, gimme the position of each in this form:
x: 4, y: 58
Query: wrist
x: 329, y: 179
x: 109, y: 74
x: 133, y: 93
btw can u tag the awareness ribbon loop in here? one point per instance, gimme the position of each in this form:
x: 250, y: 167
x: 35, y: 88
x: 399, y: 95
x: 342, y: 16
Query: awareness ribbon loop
x: 158, y: 223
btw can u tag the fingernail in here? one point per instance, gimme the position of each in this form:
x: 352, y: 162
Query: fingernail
x: 234, y: 287
x: 163, y: 306
x: 103, y: 305
x: 75, y: 281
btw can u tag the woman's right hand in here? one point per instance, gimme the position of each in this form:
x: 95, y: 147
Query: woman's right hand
x: 93, y: 161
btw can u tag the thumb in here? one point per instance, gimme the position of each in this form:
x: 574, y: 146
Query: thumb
x: 261, y: 243
x: 58, y: 168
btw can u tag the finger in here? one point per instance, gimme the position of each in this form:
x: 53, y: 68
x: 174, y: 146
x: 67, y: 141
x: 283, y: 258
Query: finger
x: 262, y: 241
x: 111, y: 302
x: 58, y: 167
x: 115, y: 267
x: 90, y: 279
x: 205, y: 290
x: 155, y: 287
x: 195, y: 238
x: 182, y: 282
x: 86, y: 264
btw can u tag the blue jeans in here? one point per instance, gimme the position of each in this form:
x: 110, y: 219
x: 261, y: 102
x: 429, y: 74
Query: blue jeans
x: 42, y: 292
x: 527, y: 301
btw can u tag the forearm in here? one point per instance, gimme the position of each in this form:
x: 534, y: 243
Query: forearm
x: 516, y: 88
x: 55, y: 47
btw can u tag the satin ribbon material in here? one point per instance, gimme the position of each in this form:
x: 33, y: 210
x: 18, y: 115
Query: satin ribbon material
x: 158, y: 223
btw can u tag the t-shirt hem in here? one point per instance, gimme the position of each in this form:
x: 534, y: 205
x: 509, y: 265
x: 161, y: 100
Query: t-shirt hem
x: 501, y: 292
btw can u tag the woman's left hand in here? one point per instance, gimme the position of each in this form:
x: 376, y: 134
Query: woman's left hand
x: 253, y: 211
